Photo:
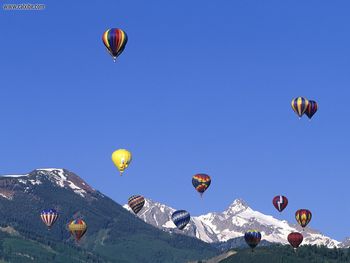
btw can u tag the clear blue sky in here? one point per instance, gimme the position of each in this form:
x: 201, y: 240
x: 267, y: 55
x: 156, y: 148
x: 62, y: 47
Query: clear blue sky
x: 202, y: 86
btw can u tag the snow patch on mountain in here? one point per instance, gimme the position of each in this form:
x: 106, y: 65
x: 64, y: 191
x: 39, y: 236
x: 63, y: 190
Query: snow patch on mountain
x: 63, y: 178
x: 57, y: 174
x: 33, y: 182
x: 22, y: 181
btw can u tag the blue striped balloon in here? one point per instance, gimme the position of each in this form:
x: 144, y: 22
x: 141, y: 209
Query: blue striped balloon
x: 252, y: 237
x: 181, y: 218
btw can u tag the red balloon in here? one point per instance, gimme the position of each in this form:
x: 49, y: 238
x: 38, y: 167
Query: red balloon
x: 280, y: 202
x: 295, y: 239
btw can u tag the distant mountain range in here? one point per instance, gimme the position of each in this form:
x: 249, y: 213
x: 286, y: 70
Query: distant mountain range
x: 232, y: 224
x: 113, y: 235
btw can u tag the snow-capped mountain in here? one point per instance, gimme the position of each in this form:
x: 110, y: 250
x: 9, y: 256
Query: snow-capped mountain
x: 60, y: 177
x: 231, y: 223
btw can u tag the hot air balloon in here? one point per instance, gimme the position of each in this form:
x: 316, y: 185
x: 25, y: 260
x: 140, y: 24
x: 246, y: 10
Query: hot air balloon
x: 280, y: 202
x: 181, y: 218
x: 295, y: 239
x: 201, y: 182
x: 121, y: 158
x: 303, y: 217
x: 115, y: 40
x: 49, y: 217
x: 299, y: 105
x: 77, y: 228
x: 311, y: 109
x: 136, y: 202
x: 252, y: 237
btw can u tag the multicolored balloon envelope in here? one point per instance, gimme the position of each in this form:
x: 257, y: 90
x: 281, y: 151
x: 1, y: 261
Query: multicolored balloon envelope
x: 121, y: 159
x: 136, y: 202
x: 201, y: 182
x: 252, y: 238
x: 303, y: 217
x: 49, y: 217
x: 181, y: 218
x: 299, y: 105
x: 115, y: 41
x: 77, y: 228
x: 295, y: 239
x: 280, y: 202
x: 311, y: 109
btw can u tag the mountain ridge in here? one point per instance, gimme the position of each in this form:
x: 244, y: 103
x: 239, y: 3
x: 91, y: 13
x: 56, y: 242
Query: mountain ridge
x: 232, y: 223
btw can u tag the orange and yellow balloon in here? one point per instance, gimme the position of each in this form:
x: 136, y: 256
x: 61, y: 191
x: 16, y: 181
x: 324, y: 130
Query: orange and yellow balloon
x: 201, y: 182
x: 121, y: 158
x: 77, y: 228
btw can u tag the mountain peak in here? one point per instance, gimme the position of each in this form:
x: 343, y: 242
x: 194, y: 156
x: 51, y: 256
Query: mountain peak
x: 56, y: 171
x: 238, y: 206
x: 240, y: 202
x: 64, y: 178
x: 59, y: 176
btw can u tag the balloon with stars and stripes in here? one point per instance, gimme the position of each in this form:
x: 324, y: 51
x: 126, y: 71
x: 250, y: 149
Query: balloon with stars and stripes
x: 49, y: 217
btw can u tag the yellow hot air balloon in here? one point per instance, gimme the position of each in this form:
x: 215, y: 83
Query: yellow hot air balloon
x: 121, y: 158
x: 300, y: 105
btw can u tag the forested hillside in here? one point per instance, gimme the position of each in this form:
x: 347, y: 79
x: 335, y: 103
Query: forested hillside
x: 285, y: 254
